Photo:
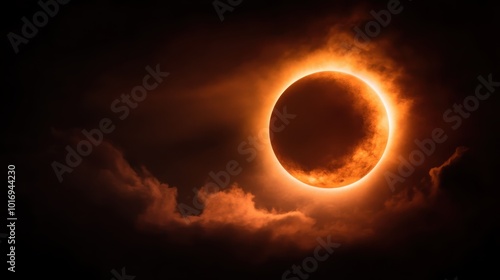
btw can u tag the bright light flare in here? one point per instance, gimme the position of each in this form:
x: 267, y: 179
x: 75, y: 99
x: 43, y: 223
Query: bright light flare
x: 382, y: 83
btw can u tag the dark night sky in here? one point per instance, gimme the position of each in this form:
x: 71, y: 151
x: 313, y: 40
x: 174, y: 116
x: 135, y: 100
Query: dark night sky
x: 119, y: 207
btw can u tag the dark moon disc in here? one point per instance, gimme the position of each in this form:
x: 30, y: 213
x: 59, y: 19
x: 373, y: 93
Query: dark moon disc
x: 339, y: 132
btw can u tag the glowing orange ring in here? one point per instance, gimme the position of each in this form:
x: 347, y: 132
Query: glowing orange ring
x: 374, y: 170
